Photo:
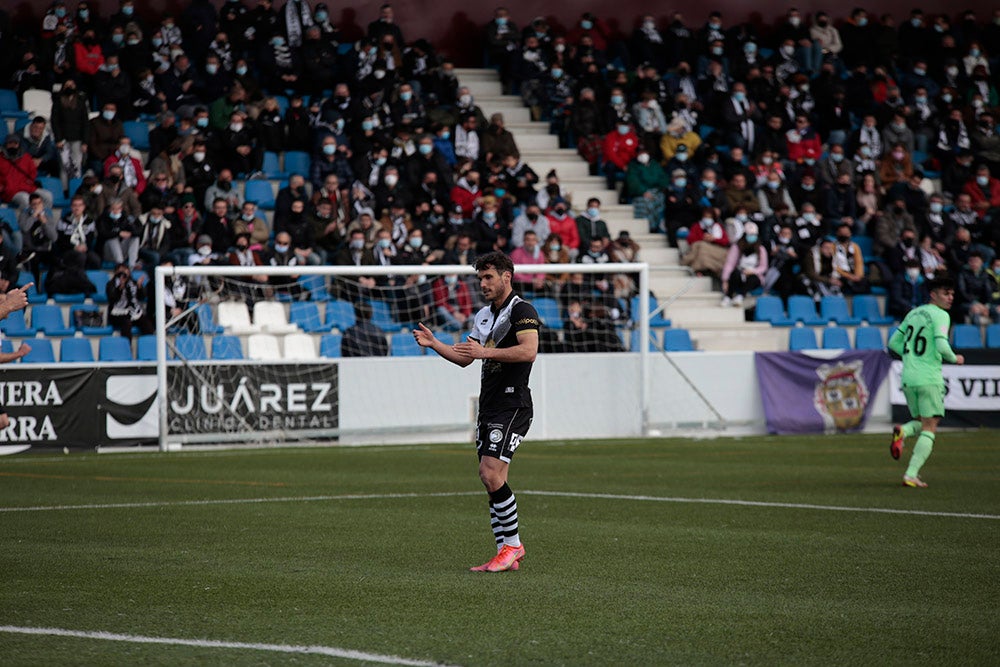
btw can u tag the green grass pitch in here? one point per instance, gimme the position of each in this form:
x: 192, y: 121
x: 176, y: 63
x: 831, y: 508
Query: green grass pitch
x: 368, y: 549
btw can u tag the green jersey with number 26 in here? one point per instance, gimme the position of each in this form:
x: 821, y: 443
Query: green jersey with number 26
x: 922, y: 342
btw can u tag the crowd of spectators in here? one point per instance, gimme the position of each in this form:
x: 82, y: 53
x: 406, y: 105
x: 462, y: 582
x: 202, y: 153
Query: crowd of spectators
x: 403, y: 167
x: 820, y: 130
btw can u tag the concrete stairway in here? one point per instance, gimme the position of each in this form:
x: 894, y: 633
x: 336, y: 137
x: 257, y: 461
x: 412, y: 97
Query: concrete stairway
x: 692, y: 303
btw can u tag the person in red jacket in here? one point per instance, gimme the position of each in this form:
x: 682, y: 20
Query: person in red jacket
x: 708, y: 245
x: 803, y: 141
x: 17, y: 175
x: 620, y: 147
x: 563, y: 224
x: 466, y: 193
x: 88, y: 58
x: 131, y: 166
x: 984, y: 190
x: 452, y: 301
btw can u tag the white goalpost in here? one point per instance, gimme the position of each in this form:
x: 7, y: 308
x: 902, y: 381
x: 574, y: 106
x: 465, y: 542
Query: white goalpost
x: 276, y: 375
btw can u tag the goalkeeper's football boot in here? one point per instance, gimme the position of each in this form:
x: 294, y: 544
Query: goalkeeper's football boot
x: 914, y: 482
x: 896, y: 448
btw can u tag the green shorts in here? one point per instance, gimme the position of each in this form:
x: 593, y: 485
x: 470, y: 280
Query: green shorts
x: 926, y: 400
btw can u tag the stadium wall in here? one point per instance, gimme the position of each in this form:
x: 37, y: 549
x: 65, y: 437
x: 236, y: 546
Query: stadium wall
x: 411, y: 400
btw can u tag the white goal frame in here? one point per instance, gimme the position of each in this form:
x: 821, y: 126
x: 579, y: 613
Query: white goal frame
x: 641, y: 270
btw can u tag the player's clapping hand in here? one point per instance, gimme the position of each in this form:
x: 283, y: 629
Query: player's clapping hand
x: 959, y: 359
x: 471, y: 349
x: 15, y: 299
x: 423, y: 335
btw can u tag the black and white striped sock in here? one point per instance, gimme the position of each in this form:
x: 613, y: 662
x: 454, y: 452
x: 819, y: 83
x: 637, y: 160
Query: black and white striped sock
x: 504, y: 506
x: 495, y: 525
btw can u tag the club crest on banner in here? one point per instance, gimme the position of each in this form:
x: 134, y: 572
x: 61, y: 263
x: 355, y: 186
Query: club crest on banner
x: 841, y: 395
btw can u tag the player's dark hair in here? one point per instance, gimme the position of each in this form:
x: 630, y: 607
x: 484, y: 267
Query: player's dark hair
x: 495, y: 260
x: 940, y: 281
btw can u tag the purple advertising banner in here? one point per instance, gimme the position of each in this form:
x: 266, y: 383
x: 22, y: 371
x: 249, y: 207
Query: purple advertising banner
x: 819, y: 391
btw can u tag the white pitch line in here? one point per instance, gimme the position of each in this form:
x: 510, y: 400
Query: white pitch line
x: 237, y: 501
x: 556, y: 494
x: 760, y: 503
x: 331, y: 651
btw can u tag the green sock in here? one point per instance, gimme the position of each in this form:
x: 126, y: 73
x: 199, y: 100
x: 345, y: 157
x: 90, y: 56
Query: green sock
x: 911, y: 428
x: 921, y: 451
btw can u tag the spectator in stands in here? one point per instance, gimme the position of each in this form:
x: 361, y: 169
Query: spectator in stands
x: 70, y: 125
x: 496, y: 140
x: 294, y: 191
x: 904, y: 249
x: 561, y: 223
x: 708, y: 245
x: 590, y: 225
x: 126, y: 307
x: 775, y: 201
x: 784, y: 264
x: 76, y: 234
x: 223, y: 188
x: 530, y: 220
x: 39, y: 144
x: 530, y: 252
x: 745, y: 267
x: 18, y: 172
x: 984, y: 193
x: 118, y: 235
x: 818, y: 266
x: 363, y: 339
x: 974, y: 292
x: 502, y: 42
x: 931, y: 260
x: 238, y: 147
x: 104, y: 134
x: 301, y: 233
x: 452, y: 302
x: 645, y: 181
x: 132, y: 173
x: 897, y: 167
x: 199, y: 170
x: 678, y: 133
x: 157, y: 235
x: 907, y: 290
x: 619, y: 148
x: 849, y: 263
x: 218, y: 226
x: 114, y: 187
x: 333, y: 159
x: 37, y: 232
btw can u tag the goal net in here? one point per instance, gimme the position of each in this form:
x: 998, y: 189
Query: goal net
x: 261, y: 356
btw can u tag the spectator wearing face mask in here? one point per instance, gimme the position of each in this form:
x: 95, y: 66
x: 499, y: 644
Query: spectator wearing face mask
x: 907, y: 290
x: 984, y: 193
x: 531, y: 220
x: 561, y: 223
x: 745, y: 267
x: 708, y: 245
x: 620, y: 147
x: 530, y: 252
x: 645, y: 180
x: 17, y: 175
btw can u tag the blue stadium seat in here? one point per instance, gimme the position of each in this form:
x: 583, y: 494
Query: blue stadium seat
x: 834, y: 308
x: 868, y: 338
x: 261, y: 193
x: 138, y: 132
x: 298, y: 162
x: 226, y: 347
x: 404, y: 345
x: 316, y: 285
x: 41, y: 352
x: 382, y: 317
x: 770, y: 309
x: 964, y: 336
x: 6, y: 346
x: 866, y: 310
x: 836, y: 338
x: 993, y: 336
x: 445, y: 337
x: 100, y: 279
x: 329, y: 346
x: 114, y: 349
x: 305, y: 315
x: 50, y: 320
x: 74, y: 185
x: 8, y: 214
x: 104, y: 330
x: 866, y: 243
x: 803, y: 309
x: 189, y: 347
x: 282, y: 104
x: 15, y: 326
x: 339, y: 315
x: 677, y: 340
x: 54, y: 185
x: 272, y: 166
x: 145, y: 349
x: 69, y: 298
x: 656, y: 320
x: 548, y: 312
x: 35, y: 293
x: 206, y: 322
x: 76, y: 350
x: 801, y: 338
x: 635, y: 341
x: 9, y: 106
